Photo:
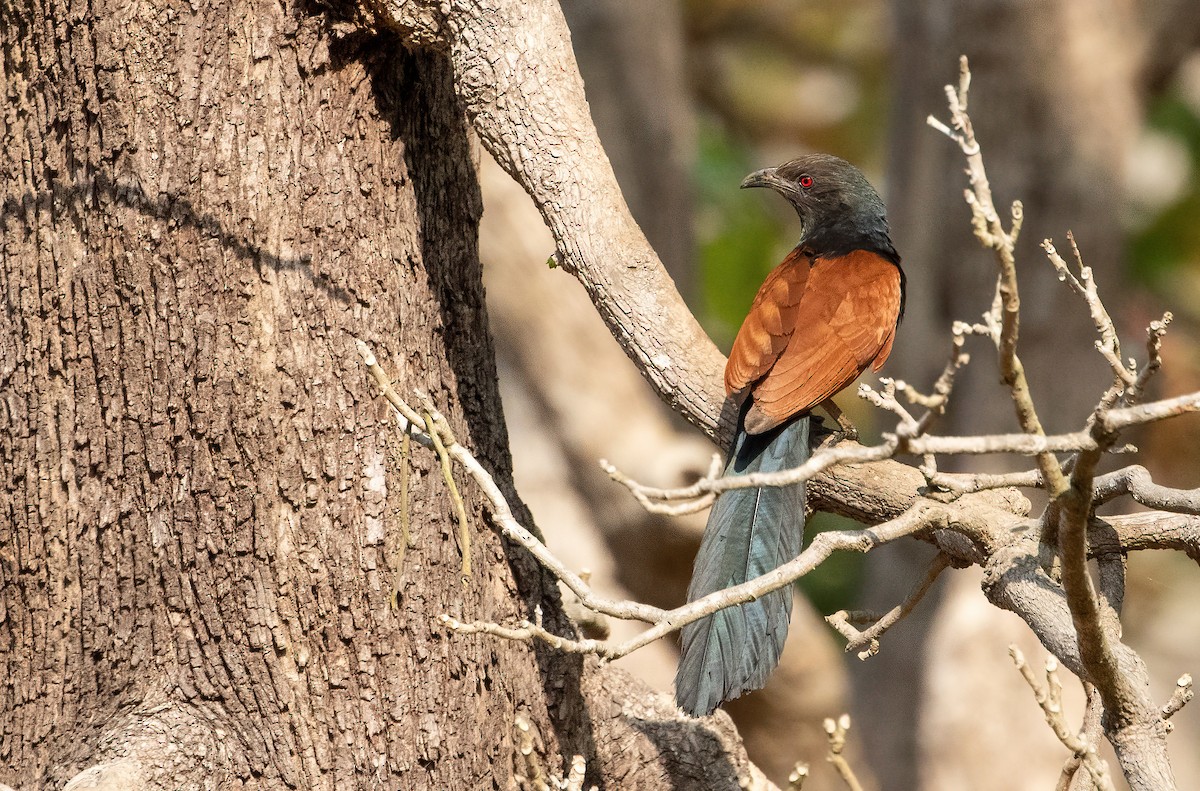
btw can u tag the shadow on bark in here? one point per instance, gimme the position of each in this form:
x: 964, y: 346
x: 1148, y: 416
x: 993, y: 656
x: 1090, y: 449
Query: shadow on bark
x: 686, y: 772
x: 407, y: 86
x: 175, y: 209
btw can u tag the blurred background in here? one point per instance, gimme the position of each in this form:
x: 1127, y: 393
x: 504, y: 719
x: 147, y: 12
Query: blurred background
x: 1087, y: 110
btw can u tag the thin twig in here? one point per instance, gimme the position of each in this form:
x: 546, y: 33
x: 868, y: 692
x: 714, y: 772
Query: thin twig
x: 526, y: 631
x: 407, y: 413
x: 836, y: 730
x: 460, y: 510
x: 1049, y: 698
x: 1154, y: 336
x: 843, y: 621
x: 1180, y: 697
x: 796, y: 777
x: 1090, y: 734
x: 1109, y: 345
x: 944, y: 384
x: 663, y: 505
x: 885, y: 399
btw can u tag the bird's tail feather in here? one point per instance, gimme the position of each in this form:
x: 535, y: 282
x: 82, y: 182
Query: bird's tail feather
x: 750, y: 532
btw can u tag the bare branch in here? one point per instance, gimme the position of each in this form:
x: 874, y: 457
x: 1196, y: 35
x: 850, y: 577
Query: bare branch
x: 658, y: 501
x: 826, y: 458
x: 1136, y: 482
x: 991, y: 233
x: 1154, y: 336
x: 1065, y: 523
x: 1050, y: 700
x: 969, y: 483
x: 844, y: 621
x: 836, y: 731
x: 822, y: 460
x: 1095, y: 649
x: 407, y: 415
x: 920, y: 517
x: 1109, y: 344
x: 1180, y: 697
x: 527, y: 631
x: 1147, y: 530
x: 885, y: 399
x: 1015, y: 580
x: 944, y: 384
x: 1114, y: 420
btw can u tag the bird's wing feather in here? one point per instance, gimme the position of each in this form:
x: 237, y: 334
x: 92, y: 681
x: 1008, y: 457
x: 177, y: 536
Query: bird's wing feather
x: 845, y: 322
x: 768, y: 327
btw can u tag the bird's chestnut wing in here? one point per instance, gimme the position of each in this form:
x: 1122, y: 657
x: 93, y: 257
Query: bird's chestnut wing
x: 768, y: 326
x: 845, y: 322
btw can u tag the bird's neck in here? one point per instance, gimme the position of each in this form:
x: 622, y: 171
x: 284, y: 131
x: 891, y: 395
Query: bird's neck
x: 831, y: 240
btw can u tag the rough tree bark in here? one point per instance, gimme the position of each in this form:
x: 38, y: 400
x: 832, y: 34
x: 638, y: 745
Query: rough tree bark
x: 204, y: 511
x: 631, y: 58
x: 204, y: 580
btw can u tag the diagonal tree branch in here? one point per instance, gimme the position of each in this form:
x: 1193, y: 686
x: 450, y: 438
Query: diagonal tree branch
x: 518, y: 83
x: 516, y: 76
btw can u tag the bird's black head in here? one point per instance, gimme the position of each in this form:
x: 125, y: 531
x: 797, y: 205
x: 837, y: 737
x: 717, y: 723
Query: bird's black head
x: 839, y: 209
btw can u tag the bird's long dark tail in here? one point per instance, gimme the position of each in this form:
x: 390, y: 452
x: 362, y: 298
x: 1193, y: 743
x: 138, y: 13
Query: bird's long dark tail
x: 749, y: 532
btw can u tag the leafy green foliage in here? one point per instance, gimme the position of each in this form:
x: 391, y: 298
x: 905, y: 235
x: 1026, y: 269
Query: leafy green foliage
x: 1172, y: 240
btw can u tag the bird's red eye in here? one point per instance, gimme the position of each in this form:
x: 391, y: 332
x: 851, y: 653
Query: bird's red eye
x: 806, y: 181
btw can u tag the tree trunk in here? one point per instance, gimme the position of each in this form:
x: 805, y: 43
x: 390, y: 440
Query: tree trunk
x: 204, y: 578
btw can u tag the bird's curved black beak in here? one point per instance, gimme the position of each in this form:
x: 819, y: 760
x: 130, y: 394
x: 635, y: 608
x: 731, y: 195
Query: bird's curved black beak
x: 762, y: 178
x: 769, y: 177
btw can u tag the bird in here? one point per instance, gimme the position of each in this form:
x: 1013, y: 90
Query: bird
x: 824, y: 315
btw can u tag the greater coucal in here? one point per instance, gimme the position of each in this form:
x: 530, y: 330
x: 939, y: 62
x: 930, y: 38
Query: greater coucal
x: 819, y: 320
